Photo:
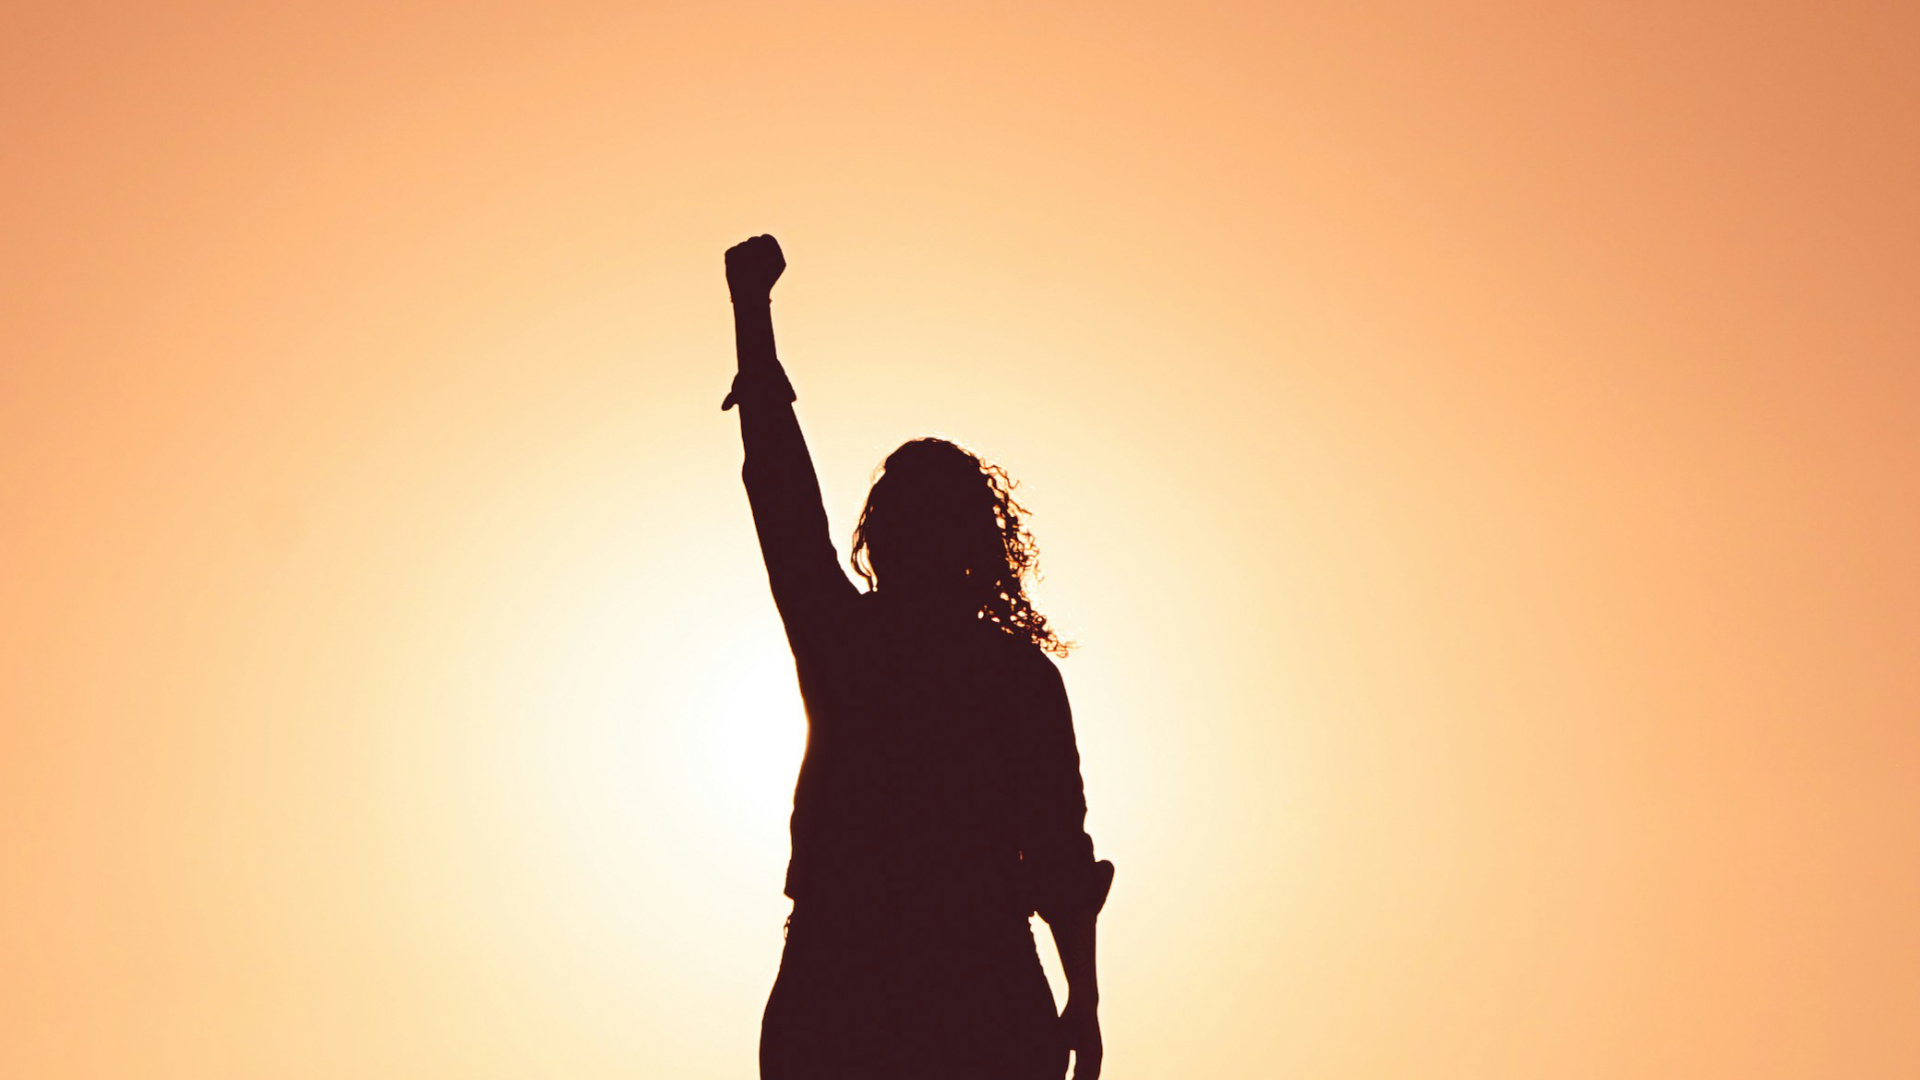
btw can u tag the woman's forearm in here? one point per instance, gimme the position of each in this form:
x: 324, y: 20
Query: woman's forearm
x: 1074, y: 937
x: 753, y: 334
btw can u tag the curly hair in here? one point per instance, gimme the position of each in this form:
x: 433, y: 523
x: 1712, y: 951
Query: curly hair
x: 942, y: 506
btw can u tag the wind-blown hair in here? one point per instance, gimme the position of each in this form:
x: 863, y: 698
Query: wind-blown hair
x: 938, y: 514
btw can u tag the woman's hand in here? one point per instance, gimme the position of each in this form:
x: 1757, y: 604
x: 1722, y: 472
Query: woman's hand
x: 1081, y: 1025
x: 753, y: 265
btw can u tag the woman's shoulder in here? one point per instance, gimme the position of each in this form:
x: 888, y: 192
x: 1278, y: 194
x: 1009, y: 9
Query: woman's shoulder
x: 1021, y: 654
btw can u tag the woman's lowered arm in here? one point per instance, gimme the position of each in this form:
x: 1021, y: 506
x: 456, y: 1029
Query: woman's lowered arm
x: 1073, y: 935
x: 1071, y: 885
x: 782, y: 487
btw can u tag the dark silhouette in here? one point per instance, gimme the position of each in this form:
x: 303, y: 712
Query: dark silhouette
x: 939, y: 803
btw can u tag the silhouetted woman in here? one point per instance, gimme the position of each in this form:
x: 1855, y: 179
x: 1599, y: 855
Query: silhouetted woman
x: 939, y: 802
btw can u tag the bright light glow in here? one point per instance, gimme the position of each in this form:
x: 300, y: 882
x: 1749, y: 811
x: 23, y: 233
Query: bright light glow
x: 1473, y: 442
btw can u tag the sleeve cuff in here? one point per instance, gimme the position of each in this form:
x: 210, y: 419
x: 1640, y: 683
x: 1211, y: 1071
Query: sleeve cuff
x: 1087, y: 895
x: 769, y: 384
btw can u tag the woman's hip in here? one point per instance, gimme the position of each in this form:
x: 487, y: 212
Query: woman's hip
x: 960, y: 999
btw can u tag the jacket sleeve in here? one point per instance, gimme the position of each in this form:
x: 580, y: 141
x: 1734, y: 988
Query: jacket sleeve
x: 1058, y: 854
x: 809, y: 588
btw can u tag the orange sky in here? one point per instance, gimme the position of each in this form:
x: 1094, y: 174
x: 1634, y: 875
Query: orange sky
x: 1474, y: 445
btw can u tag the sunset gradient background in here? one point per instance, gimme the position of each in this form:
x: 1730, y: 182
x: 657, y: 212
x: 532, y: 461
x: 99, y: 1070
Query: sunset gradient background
x: 1474, y: 445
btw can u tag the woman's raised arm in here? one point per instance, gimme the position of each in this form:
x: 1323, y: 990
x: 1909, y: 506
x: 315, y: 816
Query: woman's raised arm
x: 782, y: 488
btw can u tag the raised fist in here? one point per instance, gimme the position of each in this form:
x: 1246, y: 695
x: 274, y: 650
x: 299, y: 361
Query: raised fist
x: 753, y: 265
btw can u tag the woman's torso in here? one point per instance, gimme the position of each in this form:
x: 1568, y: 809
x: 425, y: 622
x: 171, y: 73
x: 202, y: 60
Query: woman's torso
x: 909, y: 794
